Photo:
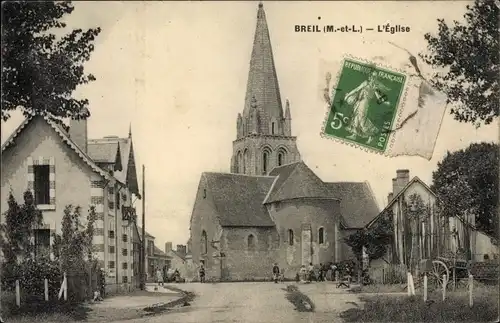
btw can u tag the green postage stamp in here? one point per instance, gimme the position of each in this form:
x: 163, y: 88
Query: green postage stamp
x: 365, y: 105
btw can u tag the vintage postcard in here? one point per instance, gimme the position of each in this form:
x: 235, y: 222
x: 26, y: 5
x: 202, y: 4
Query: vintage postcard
x: 246, y: 161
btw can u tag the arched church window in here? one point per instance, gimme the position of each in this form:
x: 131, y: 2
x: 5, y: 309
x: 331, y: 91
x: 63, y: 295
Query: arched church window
x: 251, y: 242
x: 245, y: 161
x: 290, y: 237
x: 265, y: 162
x: 239, y: 162
x: 272, y: 128
x: 204, y: 246
x: 204, y: 193
x: 321, y: 236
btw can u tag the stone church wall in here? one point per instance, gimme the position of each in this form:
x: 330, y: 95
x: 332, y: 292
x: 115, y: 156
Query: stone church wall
x: 305, y: 217
x: 249, y: 258
x: 204, y: 218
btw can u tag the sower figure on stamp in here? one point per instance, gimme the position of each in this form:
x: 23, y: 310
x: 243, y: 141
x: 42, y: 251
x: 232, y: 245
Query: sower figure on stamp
x: 360, y: 98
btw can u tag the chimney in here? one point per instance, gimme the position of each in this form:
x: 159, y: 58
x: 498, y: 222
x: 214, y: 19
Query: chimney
x: 181, y: 250
x: 389, y: 197
x: 403, y: 177
x: 168, y: 247
x: 78, y: 133
x: 395, y: 187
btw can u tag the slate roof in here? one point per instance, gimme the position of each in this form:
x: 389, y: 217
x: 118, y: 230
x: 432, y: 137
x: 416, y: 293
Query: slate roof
x: 296, y: 180
x: 238, y: 198
x: 105, y: 150
x: 102, y: 152
x: 357, y: 202
x: 65, y: 138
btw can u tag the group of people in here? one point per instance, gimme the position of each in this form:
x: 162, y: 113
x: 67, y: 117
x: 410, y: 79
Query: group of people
x: 309, y: 273
x: 164, y: 275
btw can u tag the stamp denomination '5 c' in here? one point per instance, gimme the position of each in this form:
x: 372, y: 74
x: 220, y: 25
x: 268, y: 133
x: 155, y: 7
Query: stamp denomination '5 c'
x: 365, y: 104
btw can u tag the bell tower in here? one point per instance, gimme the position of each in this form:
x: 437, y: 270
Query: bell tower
x: 264, y: 132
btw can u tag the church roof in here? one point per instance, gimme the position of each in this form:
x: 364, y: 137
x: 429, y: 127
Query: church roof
x: 238, y: 199
x: 357, y: 202
x: 296, y: 180
x: 262, y: 81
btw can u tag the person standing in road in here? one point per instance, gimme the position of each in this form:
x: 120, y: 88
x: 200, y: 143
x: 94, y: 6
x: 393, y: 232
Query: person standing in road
x: 276, y: 272
x: 202, y: 273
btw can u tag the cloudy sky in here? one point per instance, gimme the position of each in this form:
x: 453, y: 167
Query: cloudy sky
x: 177, y: 72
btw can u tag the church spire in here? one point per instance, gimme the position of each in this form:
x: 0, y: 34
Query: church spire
x: 262, y: 82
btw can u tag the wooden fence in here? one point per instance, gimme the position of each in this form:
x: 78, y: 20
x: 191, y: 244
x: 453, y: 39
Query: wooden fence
x: 389, y: 274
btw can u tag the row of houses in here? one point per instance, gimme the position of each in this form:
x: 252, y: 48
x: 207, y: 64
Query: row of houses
x: 61, y: 166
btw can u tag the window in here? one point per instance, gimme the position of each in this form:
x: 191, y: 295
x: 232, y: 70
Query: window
x: 111, y: 265
x: 124, y: 265
x: 42, y: 243
x: 265, y: 161
x: 124, y: 197
x: 111, y: 249
x: 290, y: 237
x: 111, y: 234
x: 251, y: 242
x: 239, y: 161
x: 42, y: 184
x: 204, y: 246
x: 272, y: 128
x: 124, y: 238
x: 150, y: 248
x: 321, y: 235
x: 111, y: 190
x: 124, y: 279
x: 281, y: 158
x: 204, y: 193
x: 111, y: 205
x: 124, y: 252
x: 245, y: 161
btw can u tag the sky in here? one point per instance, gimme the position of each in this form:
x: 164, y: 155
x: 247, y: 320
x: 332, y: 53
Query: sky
x: 177, y: 71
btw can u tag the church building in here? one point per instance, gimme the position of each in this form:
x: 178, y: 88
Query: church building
x: 271, y: 208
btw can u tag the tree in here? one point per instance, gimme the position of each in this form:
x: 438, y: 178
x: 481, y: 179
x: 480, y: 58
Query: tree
x: 375, y: 239
x: 470, y: 53
x: 39, y: 71
x: 466, y: 183
x: 74, y: 250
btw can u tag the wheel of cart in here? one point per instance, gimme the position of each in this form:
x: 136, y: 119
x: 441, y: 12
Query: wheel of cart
x: 436, y: 271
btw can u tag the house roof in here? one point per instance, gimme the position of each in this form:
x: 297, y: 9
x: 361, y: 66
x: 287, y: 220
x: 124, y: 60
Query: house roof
x: 158, y: 251
x: 175, y: 253
x: 147, y: 234
x: 357, y: 202
x: 394, y: 198
x: 65, y: 138
x: 238, y: 198
x: 296, y: 180
x: 106, y: 150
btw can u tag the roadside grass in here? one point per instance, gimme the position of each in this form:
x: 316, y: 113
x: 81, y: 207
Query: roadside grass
x: 55, y: 312
x: 378, y: 288
x: 392, y: 308
x: 301, y: 301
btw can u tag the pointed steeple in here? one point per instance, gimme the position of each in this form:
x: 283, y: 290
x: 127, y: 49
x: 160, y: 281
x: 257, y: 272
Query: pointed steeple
x: 130, y: 130
x: 262, y: 85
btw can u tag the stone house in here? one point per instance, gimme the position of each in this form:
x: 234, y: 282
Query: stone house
x: 155, y: 257
x: 272, y: 207
x: 176, y: 259
x: 435, y: 235
x: 63, y: 168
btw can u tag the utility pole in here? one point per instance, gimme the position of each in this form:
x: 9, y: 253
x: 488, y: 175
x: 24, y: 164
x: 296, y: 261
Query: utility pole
x: 143, y: 246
